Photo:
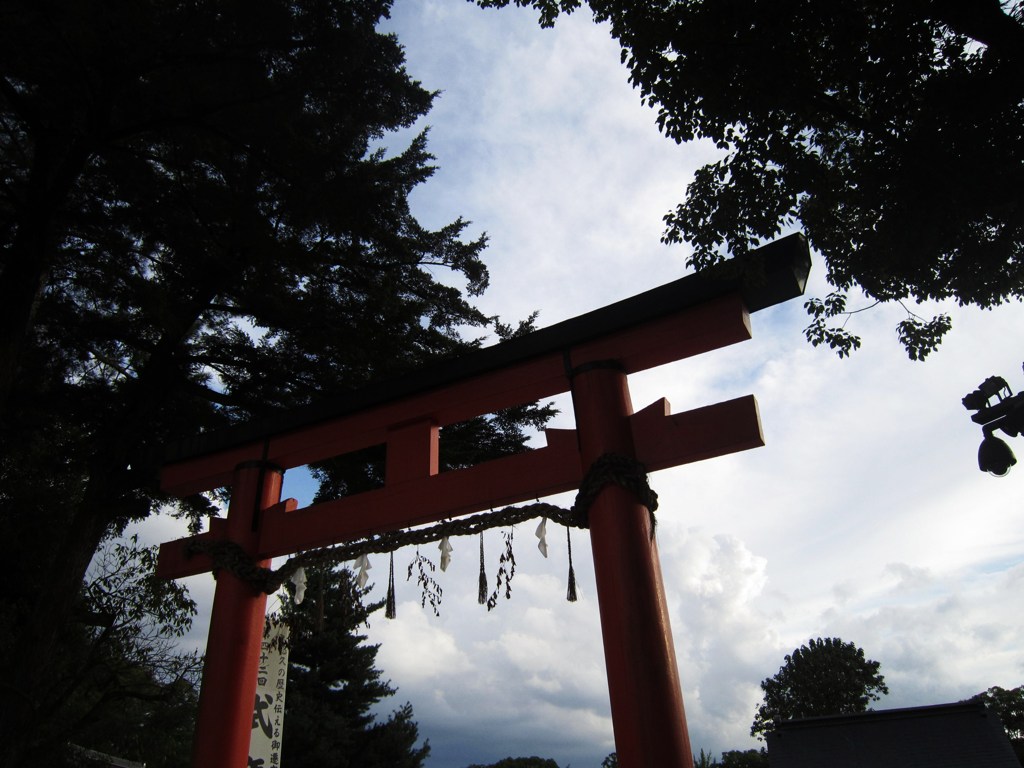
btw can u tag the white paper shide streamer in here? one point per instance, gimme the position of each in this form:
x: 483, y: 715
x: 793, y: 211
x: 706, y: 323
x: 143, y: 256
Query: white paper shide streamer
x: 446, y: 553
x: 298, y: 580
x: 542, y: 535
x: 363, y: 564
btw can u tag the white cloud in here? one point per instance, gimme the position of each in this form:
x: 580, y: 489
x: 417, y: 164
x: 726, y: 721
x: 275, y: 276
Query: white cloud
x: 417, y: 653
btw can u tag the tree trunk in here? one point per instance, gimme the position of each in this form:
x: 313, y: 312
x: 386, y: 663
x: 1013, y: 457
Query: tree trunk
x: 28, y: 706
x: 57, y: 162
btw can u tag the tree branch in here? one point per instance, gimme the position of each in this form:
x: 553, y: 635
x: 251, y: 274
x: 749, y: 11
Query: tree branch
x: 984, y: 21
x: 19, y: 102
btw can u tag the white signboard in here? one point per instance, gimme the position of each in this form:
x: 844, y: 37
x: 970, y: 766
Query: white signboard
x: 268, y: 712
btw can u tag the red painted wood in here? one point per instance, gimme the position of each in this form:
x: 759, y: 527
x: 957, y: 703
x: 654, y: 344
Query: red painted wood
x: 224, y: 719
x: 648, y: 717
x: 175, y: 562
x: 663, y: 439
x: 647, y: 708
x: 412, y: 452
x: 416, y: 495
x: 525, y: 476
x: 691, y: 332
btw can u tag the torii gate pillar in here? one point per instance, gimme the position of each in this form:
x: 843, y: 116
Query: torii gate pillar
x: 643, y: 679
x: 236, y: 630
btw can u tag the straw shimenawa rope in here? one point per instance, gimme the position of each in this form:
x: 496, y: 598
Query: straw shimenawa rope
x: 607, y: 469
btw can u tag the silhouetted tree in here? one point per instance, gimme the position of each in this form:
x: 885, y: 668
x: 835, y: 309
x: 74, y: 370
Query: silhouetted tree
x: 333, y: 684
x: 199, y: 224
x: 1009, y: 705
x: 749, y: 758
x: 887, y: 131
x: 520, y: 762
x: 825, y: 677
x: 121, y: 686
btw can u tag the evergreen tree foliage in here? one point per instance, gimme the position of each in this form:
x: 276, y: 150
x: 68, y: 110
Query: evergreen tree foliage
x: 333, y: 685
x: 199, y: 224
x: 121, y: 686
x: 733, y: 758
x: 520, y: 762
x: 747, y: 758
x: 825, y: 677
x: 889, y: 132
x: 1008, y: 703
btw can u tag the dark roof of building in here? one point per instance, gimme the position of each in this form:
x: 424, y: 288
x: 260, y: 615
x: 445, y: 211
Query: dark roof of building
x: 965, y: 735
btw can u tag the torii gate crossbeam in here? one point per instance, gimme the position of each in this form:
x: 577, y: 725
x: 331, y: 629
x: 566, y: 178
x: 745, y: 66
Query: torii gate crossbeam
x: 591, y: 356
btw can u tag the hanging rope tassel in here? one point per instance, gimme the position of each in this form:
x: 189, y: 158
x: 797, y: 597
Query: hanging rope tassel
x: 482, y: 590
x: 389, y: 607
x: 570, y: 595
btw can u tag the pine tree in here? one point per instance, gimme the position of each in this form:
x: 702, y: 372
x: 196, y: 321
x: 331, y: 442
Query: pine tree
x: 199, y: 224
x: 333, y: 684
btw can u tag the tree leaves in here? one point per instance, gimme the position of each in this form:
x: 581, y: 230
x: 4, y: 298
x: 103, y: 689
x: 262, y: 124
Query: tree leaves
x: 1009, y: 705
x: 121, y: 685
x: 198, y: 225
x: 839, y: 339
x: 825, y: 677
x: 819, y: 332
x: 918, y: 337
x: 921, y: 338
x: 888, y: 132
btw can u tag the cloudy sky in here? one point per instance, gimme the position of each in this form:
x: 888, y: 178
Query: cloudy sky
x: 864, y: 517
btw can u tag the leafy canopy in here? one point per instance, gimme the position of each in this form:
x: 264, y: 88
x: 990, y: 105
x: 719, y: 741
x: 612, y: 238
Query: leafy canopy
x: 750, y: 758
x: 825, y: 677
x: 121, y: 685
x: 889, y: 132
x: 1008, y: 703
x: 204, y: 217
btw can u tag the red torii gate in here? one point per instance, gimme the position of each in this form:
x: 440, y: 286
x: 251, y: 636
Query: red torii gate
x: 591, y: 356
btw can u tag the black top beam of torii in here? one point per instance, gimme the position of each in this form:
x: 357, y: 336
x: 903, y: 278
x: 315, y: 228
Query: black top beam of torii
x: 769, y: 275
